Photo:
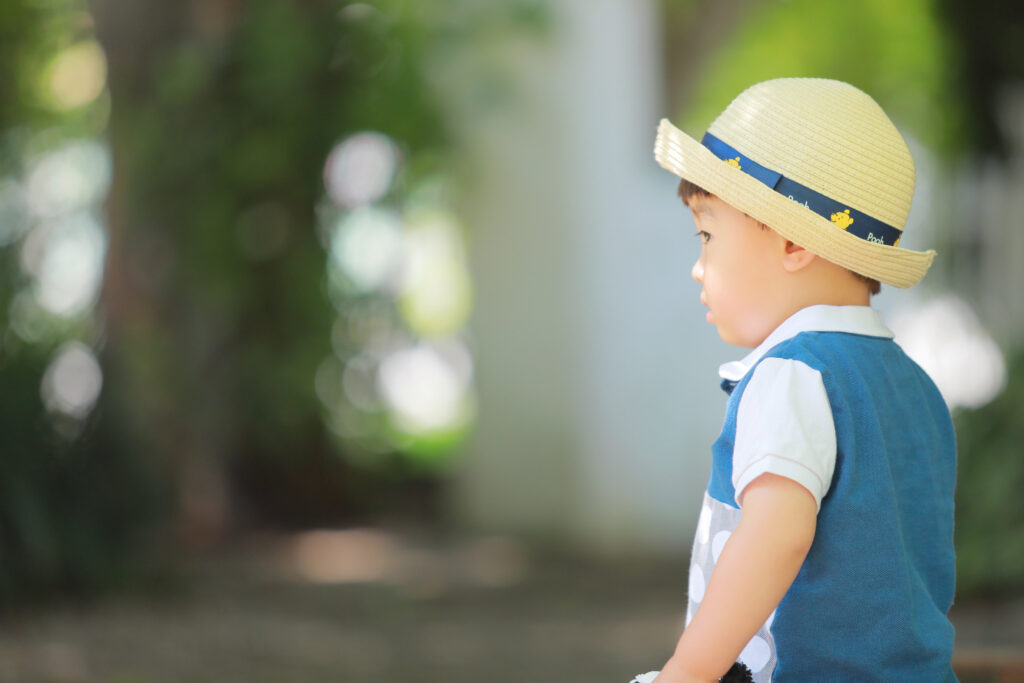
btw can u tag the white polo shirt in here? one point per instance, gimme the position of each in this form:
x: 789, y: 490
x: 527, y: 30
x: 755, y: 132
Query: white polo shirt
x: 784, y: 423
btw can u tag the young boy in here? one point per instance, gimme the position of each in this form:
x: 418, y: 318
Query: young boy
x: 824, y: 549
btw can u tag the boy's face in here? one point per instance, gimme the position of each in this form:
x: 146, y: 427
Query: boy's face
x: 739, y: 262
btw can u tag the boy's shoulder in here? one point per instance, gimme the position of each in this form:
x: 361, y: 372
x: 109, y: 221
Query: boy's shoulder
x: 845, y: 359
x: 831, y: 347
x: 841, y: 356
x: 820, y: 330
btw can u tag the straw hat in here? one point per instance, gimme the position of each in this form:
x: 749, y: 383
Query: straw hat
x: 816, y: 160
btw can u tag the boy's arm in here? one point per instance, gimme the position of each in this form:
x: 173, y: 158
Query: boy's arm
x: 753, y: 573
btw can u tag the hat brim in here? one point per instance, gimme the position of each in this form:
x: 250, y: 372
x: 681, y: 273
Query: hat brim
x: 689, y: 159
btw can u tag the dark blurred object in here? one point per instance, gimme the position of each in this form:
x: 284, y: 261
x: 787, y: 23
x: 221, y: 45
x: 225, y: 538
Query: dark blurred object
x: 738, y: 673
x: 989, y: 513
x: 987, y: 55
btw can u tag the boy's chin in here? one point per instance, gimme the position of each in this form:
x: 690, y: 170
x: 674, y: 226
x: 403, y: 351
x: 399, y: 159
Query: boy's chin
x: 732, y: 338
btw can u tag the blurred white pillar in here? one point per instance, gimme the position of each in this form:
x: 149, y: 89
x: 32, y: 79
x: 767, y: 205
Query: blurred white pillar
x: 596, y: 370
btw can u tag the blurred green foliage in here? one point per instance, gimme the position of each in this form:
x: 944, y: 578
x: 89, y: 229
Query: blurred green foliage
x: 220, y: 127
x: 215, y: 314
x: 893, y: 50
x: 77, y: 503
x: 985, y: 53
x: 989, y: 513
x: 31, y: 34
x: 939, y: 67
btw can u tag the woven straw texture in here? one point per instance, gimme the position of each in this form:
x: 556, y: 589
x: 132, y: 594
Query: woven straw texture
x: 824, y: 134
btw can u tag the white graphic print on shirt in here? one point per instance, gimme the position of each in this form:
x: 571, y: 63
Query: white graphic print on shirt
x: 717, y: 522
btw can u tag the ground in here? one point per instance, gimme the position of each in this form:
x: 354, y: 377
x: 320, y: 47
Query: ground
x: 368, y: 606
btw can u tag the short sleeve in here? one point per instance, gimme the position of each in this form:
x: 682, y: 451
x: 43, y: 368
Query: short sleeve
x: 784, y: 426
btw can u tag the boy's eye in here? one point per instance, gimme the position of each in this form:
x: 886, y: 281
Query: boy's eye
x: 704, y: 236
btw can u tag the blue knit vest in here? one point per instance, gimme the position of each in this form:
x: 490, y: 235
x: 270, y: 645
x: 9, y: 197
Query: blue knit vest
x: 871, y: 598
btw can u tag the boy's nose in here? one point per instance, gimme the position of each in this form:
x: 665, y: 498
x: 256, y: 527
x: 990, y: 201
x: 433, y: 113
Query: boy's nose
x: 698, y: 271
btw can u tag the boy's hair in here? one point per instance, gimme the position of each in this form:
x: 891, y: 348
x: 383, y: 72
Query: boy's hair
x: 688, y: 191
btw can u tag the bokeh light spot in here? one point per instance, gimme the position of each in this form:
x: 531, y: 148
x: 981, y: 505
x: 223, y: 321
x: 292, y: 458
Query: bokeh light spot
x: 358, y: 383
x: 69, y: 178
x: 366, y: 245
x: 66, y: 258
x: 72, y: 382
x: 77, y: 75
x: 945, y: 337
x: 436, y: 290
x: 424, y: 390
x: 360, y: 169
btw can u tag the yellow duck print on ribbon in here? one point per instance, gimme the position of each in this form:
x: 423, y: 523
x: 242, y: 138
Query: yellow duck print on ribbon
x: 842, y: 219
x: 735, y: 163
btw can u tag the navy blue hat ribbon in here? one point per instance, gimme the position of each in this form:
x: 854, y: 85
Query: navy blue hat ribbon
x: 847, y: 218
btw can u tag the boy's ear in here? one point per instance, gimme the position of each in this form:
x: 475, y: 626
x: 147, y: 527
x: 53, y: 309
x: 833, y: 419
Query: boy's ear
x: 795, y: 257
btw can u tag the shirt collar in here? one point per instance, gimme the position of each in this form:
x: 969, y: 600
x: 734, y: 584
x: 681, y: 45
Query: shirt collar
x: 820, y: 318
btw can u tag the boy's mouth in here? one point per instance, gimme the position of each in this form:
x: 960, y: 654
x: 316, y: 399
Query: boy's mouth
x: 704, y: 302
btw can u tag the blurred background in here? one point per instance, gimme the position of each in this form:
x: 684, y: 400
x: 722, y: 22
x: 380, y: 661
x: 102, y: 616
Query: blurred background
x: 356, y: 341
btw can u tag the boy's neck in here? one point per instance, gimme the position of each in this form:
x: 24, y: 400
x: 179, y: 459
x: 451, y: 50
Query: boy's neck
x: 831, y: 298
x: 825, y: 283
x: 824, y: 287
